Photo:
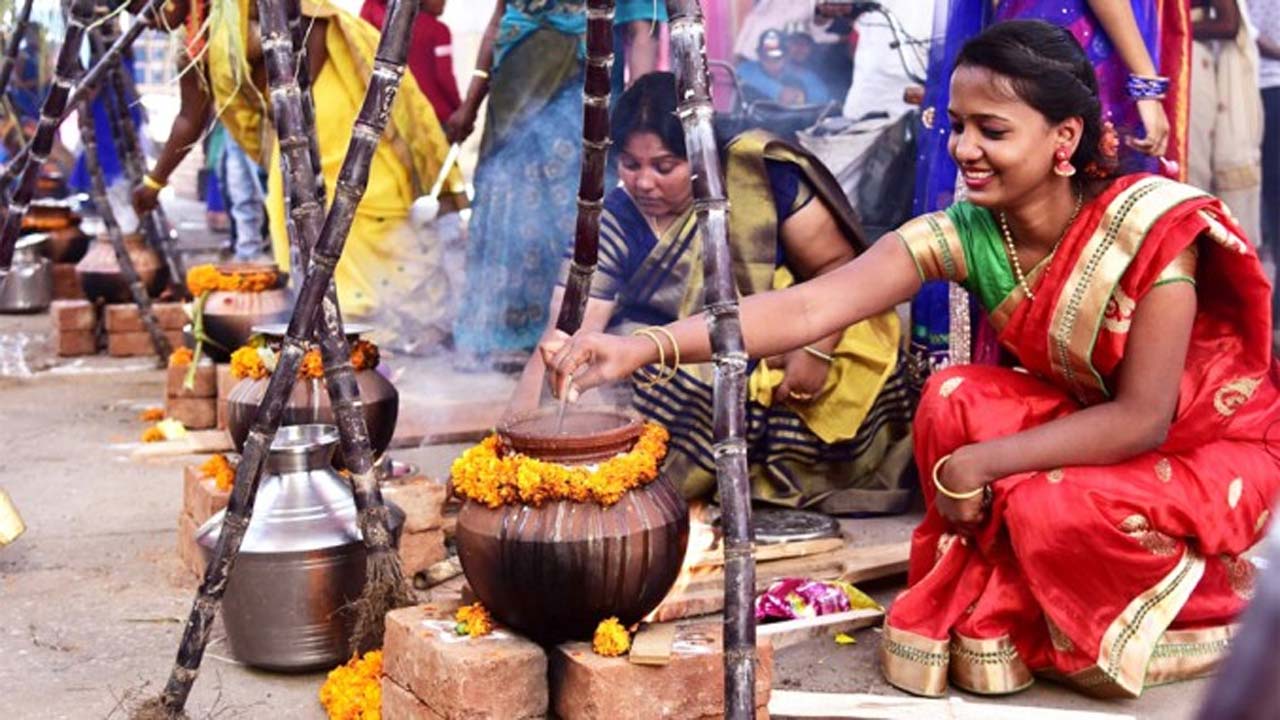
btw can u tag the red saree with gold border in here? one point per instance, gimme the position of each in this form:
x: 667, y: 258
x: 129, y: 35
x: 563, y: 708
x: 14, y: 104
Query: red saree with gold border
x: 1109, y: 578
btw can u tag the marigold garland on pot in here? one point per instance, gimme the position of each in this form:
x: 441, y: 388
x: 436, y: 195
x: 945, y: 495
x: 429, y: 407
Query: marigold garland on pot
x: 473, y: 620
x: 258, y: 362
x: 181, y: 357
x: 353, y: 691
x: 207, y: 278
x: 611, y: 639
x: 488, y: 475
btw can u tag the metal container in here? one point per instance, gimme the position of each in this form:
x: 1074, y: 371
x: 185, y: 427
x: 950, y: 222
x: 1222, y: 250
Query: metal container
x: 553, y: 572
x: 302, y: 562
x: 27, y: 286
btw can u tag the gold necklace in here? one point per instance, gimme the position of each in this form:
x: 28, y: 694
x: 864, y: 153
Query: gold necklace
x: 1013, y: 249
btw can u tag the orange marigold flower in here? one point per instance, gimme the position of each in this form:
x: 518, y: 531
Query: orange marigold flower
x: 255, y: 280
x: 221, y: 470
x: 364, y: 355
x: 202, y: 279
x: 353, y: 691
x: 473, y: 620
x: 247, y: 363
x: 151, y: 414
x: 181, y: 357
x: 611, y: 638
x: 312, y: 366
x: 152, y: 434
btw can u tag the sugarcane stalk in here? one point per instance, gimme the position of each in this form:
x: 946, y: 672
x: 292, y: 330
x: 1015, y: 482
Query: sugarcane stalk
x: 55, y: 102
x: 87, y: 85
x: 693, y: 83
x: 595, y: 150
x: 10, y: 57
x: 298, y: 32
x: 286, y: 105
x: 118, y: 96
x: 98, y: 190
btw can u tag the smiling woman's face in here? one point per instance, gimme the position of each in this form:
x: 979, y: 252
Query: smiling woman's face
x: 1003, y: 146
x: 656, y: 178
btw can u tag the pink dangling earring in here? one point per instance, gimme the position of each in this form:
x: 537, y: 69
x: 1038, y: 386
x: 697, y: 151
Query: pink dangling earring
x: 1063, y: 167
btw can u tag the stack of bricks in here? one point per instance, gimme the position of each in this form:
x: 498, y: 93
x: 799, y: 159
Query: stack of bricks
x: 197, y: 406
x: 73, y: 327
x: 201, y: 499
x: 224, y: 382
x: 432, y: 673
x: 128, y: 337
x: 66, y: 284
x: 422, y: 539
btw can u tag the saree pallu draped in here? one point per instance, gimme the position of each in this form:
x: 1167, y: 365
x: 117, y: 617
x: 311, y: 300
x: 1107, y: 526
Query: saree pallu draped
x: 1110, y: 578
x: 383, y: 268
x: 844, y: 452
x: 942, y: 332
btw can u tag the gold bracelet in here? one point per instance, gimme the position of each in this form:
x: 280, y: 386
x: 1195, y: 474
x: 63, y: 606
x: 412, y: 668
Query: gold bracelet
x: 937, y: 483
x: 819, y: 354
x: 675, y: 350
x: 152, y: 183
x: 651, y: 379
x: 482, y: 74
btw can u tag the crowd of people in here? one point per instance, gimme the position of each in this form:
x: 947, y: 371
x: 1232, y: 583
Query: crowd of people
x: 1094, y: 187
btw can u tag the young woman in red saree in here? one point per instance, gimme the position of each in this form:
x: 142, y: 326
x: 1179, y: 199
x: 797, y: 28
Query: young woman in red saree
x: 1087, y: 506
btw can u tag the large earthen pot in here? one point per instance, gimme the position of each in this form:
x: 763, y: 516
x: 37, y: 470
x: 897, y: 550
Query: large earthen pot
x: 554, y: 572
x: 229, y: 317
x: 66, y: 245
x: 309, y: 402
x: 100, y: 274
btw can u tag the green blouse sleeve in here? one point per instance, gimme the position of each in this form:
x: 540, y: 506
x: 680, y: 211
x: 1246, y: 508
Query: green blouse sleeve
x: 990, y: 277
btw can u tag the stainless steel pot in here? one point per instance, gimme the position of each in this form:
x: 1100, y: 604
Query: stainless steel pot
x: 27, y: 287
x: 302, y: 562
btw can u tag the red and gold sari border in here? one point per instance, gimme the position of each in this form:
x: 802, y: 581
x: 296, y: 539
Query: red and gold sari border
x: 933, y: 242
x: 1187, y: 654
x: 914, y: 663
x: 1106, y: 255
x: 988, y: 666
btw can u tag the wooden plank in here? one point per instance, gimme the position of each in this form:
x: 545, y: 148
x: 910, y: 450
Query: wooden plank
x: 776, y: 551
x: 798, y: 704
x: 792, y: 632
x: 652, y: 645
x: 197, y: 442
x: 875, y: 562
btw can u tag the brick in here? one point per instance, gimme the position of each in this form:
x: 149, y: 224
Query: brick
x: 188, y: 551
x: 201, y: 498
x: 66, y: 284
x: 76, y: 342
x: 501, y: 675
x: 224, y: 382
x: 73, y: 315
x: 420, y: 550
x: 206, y: 382
x: 125, y: 317
x: 421, y: 499
x: 195, y: 413
x: 400, y: 704
x: 135, y: 344
x: 586, y: 686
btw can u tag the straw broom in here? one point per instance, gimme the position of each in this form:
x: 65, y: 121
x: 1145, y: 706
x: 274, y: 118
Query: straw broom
x: 68, y: 67
x: 98, y: 190
x: 595, y: 150
x: 693, y: 83
x: 388, y: 68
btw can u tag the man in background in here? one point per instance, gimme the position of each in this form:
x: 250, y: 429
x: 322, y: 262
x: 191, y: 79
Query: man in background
x: 771, y: 78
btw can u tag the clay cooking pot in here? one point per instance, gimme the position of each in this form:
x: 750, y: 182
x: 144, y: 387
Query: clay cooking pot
x: 100, y: 274
x: 229, y: 317
x: 554, y: 572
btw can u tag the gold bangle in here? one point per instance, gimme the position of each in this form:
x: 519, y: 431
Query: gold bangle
x: 675, y: 350
x: 937, y: 483
x: 482, y: 74
x: 152, y: 183
x: 819, y: 354
x: 651, y: 379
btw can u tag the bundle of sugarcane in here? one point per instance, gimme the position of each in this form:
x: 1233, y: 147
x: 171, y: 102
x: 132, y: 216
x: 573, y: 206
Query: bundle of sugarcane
x: 384, y: 571
x: 87, y: 85
x: 595, y: 150
x: 55, y: 102
x: 10, y: 57
x: 693, y: 84
x: 118, y: 95
x: 98, y: 191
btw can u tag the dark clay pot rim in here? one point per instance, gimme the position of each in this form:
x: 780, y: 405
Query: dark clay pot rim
x: 576, y: 448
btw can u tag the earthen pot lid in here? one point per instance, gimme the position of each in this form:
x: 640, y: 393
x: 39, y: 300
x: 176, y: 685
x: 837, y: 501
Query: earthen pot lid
x: 589, y: 434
